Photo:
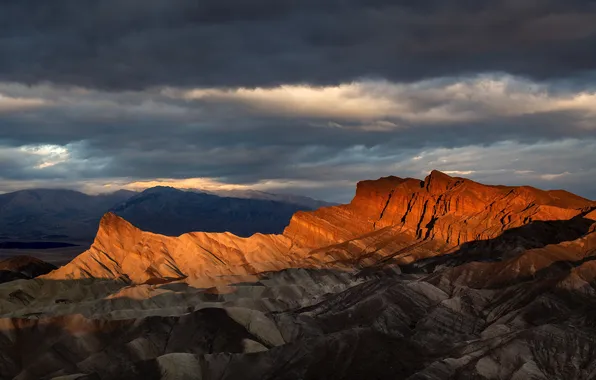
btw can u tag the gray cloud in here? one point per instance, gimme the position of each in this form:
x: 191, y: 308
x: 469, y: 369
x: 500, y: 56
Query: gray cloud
x: 304, y: 97
x: 133, y: 44
x: 274, y: 141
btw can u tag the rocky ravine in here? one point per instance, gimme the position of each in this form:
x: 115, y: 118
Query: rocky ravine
x: 437, y: 279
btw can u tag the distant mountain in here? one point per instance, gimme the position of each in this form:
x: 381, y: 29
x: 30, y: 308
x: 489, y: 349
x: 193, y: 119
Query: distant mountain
x: 285, y: 198
x: 50, y: 214
x: 67, y: 215
x: 170, y: 211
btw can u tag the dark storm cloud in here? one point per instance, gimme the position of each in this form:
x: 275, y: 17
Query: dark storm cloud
x: 124, y: 44
x: 145, y: 135
x: 131, y: 90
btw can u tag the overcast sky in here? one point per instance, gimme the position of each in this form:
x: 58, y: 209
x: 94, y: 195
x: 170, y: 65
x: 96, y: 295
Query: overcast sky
x: 304, y: 97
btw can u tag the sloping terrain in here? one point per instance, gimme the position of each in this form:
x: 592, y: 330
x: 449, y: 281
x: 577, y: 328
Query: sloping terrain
x: 391, y: 220
x: 57, y: 225
x: 437, y: 279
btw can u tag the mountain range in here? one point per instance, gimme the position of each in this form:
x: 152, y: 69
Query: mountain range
x: 49, y: 214
x: 170, y: 211
x: 66, y: 215
x: 440, y: 278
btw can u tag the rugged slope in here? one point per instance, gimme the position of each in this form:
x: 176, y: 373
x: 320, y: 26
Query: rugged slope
x: 205, y: 259
x: 381, y: 326
x: 501, y: 285
x: 540, y: 261
x: 389, y: 220
x: 448, y: 209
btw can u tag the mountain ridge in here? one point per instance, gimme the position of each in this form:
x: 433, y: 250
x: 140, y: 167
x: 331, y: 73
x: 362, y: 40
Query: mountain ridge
x: 403, y: 202
x: 172, y: 212
x: 388, y: 219
x: 69, y: 215
x: 38, y: 214
x: 392, y: 298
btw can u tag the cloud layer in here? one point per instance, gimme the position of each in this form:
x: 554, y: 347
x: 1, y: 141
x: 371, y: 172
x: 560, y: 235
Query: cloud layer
x: 304, y: 97
x: 311, y: 139
x: 133, y: 44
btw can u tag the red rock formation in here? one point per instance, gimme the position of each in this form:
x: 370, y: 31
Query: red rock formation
x: 319, y: 323
x: 122, y: 250
x: 331, y: 225
x: 449, y: 209
x: 390, y: 218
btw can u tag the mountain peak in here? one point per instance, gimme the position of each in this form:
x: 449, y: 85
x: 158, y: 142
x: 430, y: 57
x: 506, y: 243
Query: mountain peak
x: 437, y: 182
x: 111, y: 227
x: 448, y: 209
x: 385, y: 216
x: 438, y: 174
x: 162, y: 189
x: 111, y: 220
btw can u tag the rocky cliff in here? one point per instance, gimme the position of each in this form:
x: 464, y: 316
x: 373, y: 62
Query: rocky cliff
x: 449, y: 209
x: 491, y: 282
x: 121, y: 250
x: 404, y: 220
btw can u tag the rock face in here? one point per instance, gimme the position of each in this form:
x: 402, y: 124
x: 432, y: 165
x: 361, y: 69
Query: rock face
x: 448, y: 209
x: 387, y: 218
x: 205, y: 259
x: 437, y: 279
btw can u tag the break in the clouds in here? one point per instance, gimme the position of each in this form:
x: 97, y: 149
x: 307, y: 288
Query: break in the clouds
x: 305, y: 97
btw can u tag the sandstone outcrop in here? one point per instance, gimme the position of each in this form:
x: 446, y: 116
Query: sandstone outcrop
x: 121, y: 250
x: 444, y: 208
x: 491, y: 282
x: 389, y: 220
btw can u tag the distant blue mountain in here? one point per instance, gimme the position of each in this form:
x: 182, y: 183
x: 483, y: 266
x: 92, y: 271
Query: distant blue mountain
x: 170, y: 211
x: 66, y: 215
x: 54, y: 214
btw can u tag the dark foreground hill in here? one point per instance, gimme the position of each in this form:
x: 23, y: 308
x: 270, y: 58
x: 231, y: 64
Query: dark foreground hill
x: 23, y: 267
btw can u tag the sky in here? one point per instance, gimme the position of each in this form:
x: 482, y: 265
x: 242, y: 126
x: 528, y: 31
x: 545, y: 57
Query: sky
x: 305, y: 97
